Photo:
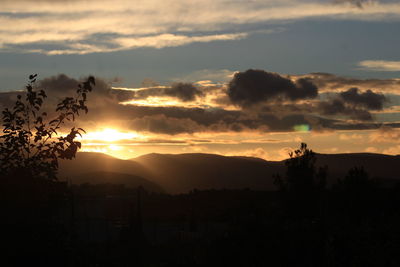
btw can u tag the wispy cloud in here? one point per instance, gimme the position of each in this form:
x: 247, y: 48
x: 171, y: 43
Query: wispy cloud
x: 380, y: 65
x: 132, y: 42
x: 81, y: 27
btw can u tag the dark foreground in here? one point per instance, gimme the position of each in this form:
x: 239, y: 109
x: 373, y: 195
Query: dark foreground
x: 52, y: 224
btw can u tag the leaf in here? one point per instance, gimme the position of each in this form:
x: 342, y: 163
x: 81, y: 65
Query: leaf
x: 91, y: 80
x: 82, y: 130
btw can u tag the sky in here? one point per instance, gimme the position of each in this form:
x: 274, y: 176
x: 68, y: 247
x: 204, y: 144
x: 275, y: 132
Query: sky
x: 232, y: 77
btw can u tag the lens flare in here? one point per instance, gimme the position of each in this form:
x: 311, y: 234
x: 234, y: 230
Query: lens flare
x: 302, y: 128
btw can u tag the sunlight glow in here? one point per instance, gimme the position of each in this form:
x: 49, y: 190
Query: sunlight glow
x: 162, y: 101
x: 115, y: 147
x: 109, y: 135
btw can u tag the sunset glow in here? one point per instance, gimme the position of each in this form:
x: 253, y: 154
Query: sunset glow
x: 109, y: 135
x: 200, y: 132
x: 160, y: 102
x: 247, y: 78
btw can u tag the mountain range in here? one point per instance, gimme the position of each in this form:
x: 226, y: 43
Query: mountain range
x: 180, y: 173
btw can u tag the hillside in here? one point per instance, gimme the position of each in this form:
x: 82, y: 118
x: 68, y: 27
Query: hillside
x: 178, y: 173
x: 183, y: 172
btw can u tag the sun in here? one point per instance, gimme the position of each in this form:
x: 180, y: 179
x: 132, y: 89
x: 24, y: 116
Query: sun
x: 110, y: 141
x: 109, y: 135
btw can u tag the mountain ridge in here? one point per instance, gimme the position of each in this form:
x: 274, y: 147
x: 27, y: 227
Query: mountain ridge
x: 180, y: 173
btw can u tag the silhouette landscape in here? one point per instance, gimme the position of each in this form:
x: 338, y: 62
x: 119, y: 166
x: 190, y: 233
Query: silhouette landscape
x: 200, y: 133
x: 180, y: 173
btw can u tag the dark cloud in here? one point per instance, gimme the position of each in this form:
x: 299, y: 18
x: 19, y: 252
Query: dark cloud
x: 183, y: 91
x: 122, y: 95
x: 353, y: 103
x: 339, y: 107
x: 164, y: 124
x: 177, y: 120
x: 60, y: 84
x: 8, y: 98
x: 305, y: 88
x: 104, y: 106
x: 332, y: 107
x: 102, y: 98
x: 56, y: 87
x: 368, y: 99
x: 257, y: 86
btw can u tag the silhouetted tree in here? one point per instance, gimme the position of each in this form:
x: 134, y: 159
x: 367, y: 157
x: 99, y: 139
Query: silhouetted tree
x: 31, y: 144
x: 302, y: 175
x: 302, y: 192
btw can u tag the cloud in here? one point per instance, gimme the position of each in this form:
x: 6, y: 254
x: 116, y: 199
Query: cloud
x: 60, y: 84
x: 371, y: 149
x: 255, y: 153
x: 327, y: 82
x: 338, y: 107
x: 191, y: 121
x: 385, y: 134
x: 214, y: 75
x: 353, y: 103
x: 81, y: 27
x: 348, y: 137
x: 92, y: 45
x: 380, y: 65
x: 258, y: 86
x: 165, y: 125
x: 288, y: 109
x: 368, y: 99
x: 183, y: 91
x: 395, y: 150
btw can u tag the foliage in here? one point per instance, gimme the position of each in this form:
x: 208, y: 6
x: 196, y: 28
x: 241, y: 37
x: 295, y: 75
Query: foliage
x: 31, y: 143
x: 301, y: 174
x: 302, y: 189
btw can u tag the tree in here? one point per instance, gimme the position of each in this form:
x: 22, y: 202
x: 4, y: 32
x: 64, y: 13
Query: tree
x: 303, y: 186
x: 31, y: 143
x: 302, y: 192
x: 301, y: 173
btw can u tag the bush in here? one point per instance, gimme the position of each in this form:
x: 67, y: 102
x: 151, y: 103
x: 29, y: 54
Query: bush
x: 31, y: 142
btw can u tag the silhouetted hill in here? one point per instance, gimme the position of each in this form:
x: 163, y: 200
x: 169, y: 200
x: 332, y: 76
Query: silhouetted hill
x: 91, y: 162
x: 183, y: 172
x: 178, y: 173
